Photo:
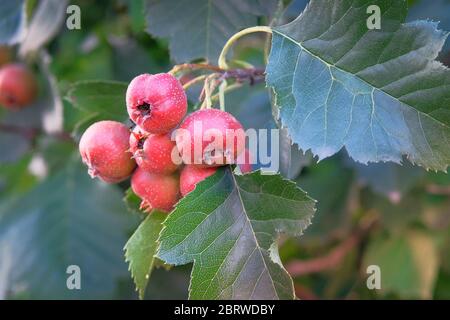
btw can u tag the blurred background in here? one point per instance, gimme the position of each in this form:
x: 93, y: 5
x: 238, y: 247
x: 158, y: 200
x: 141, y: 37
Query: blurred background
x: 53, y: 215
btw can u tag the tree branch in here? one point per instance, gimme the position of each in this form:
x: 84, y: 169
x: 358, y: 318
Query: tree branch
x: 334, y: 258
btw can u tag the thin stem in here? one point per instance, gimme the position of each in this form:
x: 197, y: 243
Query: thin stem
x: 222, y: 58
x: 222, y: 89
x: 194, y: 66
x: 229, y: 88
x: 194, y: 81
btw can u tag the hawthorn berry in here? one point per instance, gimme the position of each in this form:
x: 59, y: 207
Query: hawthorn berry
x: 104, y: 148
x: 18, y: 86
x: 191, y: 175
x: 157, y: 191
x: 210, y: 137
x: 156, y: 103
x: 153, y: 152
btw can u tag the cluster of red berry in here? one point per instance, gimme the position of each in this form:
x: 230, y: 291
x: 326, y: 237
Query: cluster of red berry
x: 157, y: 104
x: 18, y: 86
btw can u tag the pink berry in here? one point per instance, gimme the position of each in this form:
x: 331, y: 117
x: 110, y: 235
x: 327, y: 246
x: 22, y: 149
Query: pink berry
x: 18, y: 86
x: 153, y: 152
x: 210, y: 137
x: 157, y: 191
x: 191, y: 175
x: 104, y: 148
x: 156, y: 103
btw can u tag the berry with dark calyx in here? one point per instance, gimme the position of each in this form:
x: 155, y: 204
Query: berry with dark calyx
x: 156, y: 103
x: 153, y: 152
x: 157, y: 191
x: 104, y: 148
x: 244, y: 161
x: 18, y: 86
x: 191, y: 175
x: 210, y: 137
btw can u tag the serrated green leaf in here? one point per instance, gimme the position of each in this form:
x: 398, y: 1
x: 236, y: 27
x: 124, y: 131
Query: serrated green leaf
x: 378, y: 93
x: 12, y: 21
x: 106, y: 99
x: 209, y: 24
x: 141, y: 248
x: 132, y: 201
x: 228, y: 226
x: 66, y: 220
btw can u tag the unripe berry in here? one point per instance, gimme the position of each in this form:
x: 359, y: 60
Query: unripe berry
x: 245, y: 160
x: 210, y: 137
x: 153, y: 152
x: 157, y: 191
x: 191, y: 175
x: 156, y: 103
x: 104, y: 148
x: 18, y: 86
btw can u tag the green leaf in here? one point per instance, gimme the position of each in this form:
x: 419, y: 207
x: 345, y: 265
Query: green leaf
x: 408, y: 263
x: 329, y: 182
x: 200, y: 28
x: 389, y: 179
x: 141, y: 248
x: 228, y: 226
x: 45, y: 24
x: 378, y: 93
x: 12, y: 21
x: 103, y: 98
x: 66, y: 220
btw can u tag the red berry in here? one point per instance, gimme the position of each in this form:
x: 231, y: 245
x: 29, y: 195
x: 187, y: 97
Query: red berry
x: 153, y: 152
x: 157, y: 191
x: 104, y: 148
x: 210, y: 137
x: 156, y: 103
x: 245, y: 160
x: 191, y: 175
x: 18, y: 86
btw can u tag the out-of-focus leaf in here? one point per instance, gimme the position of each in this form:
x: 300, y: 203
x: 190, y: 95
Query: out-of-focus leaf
x: 103, y: 98
x: 209, y: 23
x: 12, y: 21
x: 46, y: 22
x: 389, y: 179
x: 408, y: 263
x: 228, y: 227
x: 379, y: 94
x: 141, y: 248
x: 69, y: 219
x: 328, y: 182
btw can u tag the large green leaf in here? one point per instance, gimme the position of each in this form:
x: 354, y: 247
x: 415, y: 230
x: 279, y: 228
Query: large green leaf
x: 103, y: 98
x: 378, y: 93
x: 228, y: 227
x: 68, y: 219
x: 12, y: 21
x: 199, y: 28
x: 141, y: 248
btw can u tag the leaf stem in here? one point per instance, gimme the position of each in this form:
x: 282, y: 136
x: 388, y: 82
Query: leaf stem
x: 194, y: 81
x: 222, y: 58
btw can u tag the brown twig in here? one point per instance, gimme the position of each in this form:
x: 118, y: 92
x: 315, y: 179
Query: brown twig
x: 334, y: 258
x: 438, y: 190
